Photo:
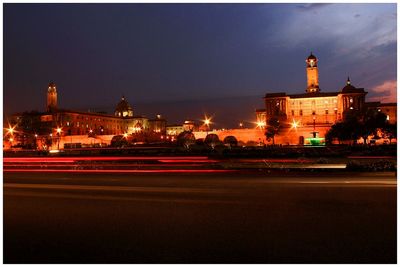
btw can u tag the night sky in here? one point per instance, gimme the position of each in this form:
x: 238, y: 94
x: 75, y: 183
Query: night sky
x: 184, y: 60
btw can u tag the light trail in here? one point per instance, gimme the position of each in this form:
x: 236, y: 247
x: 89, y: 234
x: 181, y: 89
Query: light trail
x: 371, y: 157
x: 72, y: 159
x: 40, y: 164
x: 276, y: 160
x: 120, y: 171
x: 185, y: 160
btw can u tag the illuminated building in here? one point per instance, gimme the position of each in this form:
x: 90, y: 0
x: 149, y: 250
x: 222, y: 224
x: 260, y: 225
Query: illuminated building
x: 72, y: 122
x: 174, y: 129
x: 123, y: 109
x: 51, y: 97
x: 314, y: 111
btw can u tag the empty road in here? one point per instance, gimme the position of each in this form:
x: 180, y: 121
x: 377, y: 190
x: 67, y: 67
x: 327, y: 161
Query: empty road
x: 207, y: 217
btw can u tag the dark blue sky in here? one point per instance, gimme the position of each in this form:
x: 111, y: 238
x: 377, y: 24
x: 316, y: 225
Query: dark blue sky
x: 182, y: 60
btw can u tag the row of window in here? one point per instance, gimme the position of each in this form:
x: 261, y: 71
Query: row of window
x: 313, y: 112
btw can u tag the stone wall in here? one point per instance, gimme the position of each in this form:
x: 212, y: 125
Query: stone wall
x: 286, y: 136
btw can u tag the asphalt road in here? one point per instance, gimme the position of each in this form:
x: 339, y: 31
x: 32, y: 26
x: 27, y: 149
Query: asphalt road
x: 240, y: 217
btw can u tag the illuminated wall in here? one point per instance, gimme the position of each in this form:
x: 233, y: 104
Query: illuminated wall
x: 322, y: 109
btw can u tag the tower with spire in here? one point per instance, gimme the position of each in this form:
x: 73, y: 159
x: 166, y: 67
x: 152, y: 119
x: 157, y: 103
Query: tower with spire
x: 51, y: 97
x: 312, y: 74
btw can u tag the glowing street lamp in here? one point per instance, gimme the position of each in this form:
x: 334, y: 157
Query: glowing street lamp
x: 207, y: 122
x: 125, y: 135
x: 295, y: 124
x: 58, y: 137
x: 260, y: 124
x: 10, y: 129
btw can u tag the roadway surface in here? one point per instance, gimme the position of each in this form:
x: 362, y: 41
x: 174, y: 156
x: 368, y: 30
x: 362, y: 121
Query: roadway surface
x: 212, y: 217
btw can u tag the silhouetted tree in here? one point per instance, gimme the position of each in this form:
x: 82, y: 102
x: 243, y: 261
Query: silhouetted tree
x: 272, y: 129
x: 186, y: 139
x: 230, y: 141
x: 212, y: 140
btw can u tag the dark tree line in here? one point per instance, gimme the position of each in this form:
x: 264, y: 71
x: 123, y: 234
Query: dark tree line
x: 361, y: 124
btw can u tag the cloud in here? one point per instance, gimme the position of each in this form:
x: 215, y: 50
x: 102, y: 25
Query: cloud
x: 339, y: 25
x: 309, y: 7
x: 385, y: 92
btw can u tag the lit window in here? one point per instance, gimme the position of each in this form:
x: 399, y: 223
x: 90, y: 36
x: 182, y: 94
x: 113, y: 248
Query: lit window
x: 301, y: 112
x: 292, y: 112
x: 326, y: 111
x: 351, y: 100
x: 387, y: 117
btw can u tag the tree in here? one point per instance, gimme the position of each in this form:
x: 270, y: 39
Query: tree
x: 186, y: 139
x: 273, y: 127
x: 230, y: 141
x: 357, y: 124
x: 390, y: 131
x: 212, y: 140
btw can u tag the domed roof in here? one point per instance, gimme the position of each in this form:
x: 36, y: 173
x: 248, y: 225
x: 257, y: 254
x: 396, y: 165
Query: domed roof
x: 123, y: 108
x: 349, y: 88
x: 311, y: 56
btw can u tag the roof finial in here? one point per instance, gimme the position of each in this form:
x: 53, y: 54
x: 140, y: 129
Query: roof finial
x: 123, y: 97
x: 348, y: 80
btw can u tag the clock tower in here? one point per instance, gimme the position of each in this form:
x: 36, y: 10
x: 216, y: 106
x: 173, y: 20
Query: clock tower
x: 312, y: 74
x: 51, y: 97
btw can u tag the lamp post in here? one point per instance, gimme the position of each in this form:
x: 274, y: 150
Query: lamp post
x: 314, y: 132
x: 36, y: 145
x: 58, y: 137
x: 207, y: 122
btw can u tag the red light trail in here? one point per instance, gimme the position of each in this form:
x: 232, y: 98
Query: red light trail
x: 120, y: 171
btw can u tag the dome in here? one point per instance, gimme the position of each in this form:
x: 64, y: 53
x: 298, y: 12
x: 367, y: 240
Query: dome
x: 349, y: 88
x: 52, y: 87
x: 123, y: 109
x: 311, y: 56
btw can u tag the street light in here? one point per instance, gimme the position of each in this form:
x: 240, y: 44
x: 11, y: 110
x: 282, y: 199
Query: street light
x: 125, y: 135
x: 294, y: 124
x: 260, y: 124
x: 58, y: 137
x: 207, y: 122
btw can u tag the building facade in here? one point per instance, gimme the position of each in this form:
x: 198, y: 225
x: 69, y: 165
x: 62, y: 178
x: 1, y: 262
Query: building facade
x: 56, y: 121
x: 311, y: 114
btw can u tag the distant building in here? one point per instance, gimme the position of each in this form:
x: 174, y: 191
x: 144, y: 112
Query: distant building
x: 51, y: 97
x: 72, y: 122
x: 174, y: 130
x: 312, y: 113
